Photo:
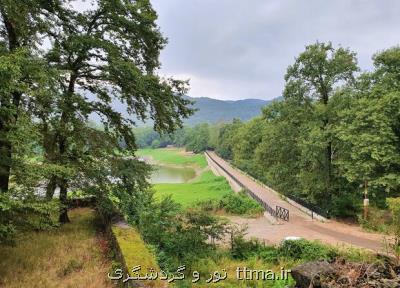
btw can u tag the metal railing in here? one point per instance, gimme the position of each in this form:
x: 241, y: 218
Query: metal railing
x: 278, y: 212
x: 282, y: 213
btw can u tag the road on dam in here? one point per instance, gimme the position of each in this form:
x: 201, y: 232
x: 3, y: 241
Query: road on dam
x: 300, y: 224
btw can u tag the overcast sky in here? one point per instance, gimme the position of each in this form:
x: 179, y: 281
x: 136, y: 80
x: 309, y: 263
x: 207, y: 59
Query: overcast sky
x: 233, y: 49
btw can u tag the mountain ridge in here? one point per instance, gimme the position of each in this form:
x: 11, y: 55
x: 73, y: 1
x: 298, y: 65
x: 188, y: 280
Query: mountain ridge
x: 212, y: 110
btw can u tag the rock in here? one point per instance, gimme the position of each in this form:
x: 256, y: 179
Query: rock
x: 310, y: 273
x: 340, y: 274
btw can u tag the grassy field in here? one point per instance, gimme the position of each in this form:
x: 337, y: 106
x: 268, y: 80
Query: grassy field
x: 175, y: 156
x: 70, y: 256
x: 206, y: 187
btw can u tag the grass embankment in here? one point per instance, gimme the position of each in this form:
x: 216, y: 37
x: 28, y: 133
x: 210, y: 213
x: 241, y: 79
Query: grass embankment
x: 213, y: 192
x: 73, y: 255
x: 135, y: 252
x: 174, y: 156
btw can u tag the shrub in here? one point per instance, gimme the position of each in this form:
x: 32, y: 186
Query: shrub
x: 208, y: 205
x: 305, y: 250
x: 240, y: 204
x: 346, y: 205
x: 269, y: 254
x: 244, y: 249
x: 180, y: 237
x: 378, y: 220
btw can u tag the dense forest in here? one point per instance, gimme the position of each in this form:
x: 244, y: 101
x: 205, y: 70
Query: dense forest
x: 334, y: 137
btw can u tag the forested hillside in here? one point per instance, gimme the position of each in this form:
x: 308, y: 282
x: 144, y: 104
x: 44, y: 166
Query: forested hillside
x: 211, y: 111
x: 207, y: 110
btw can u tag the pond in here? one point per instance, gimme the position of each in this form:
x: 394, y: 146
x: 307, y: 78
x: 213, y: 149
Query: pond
x: 168, y: 174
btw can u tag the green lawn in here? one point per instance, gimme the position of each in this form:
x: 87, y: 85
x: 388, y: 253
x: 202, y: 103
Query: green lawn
x: 206, y: 187
x: 175, y: 156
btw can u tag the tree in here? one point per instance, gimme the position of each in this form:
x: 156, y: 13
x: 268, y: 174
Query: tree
x: 370, y: 128
x: 318, y: 71
x: 22, y: 24
x: 105, y: 54
x: 247, y: 139
x: 198, y: 138
x: 225, y: 139
x: 279, y: 153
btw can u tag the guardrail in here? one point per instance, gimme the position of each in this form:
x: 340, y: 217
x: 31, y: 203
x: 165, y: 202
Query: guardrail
x: 278, y: 212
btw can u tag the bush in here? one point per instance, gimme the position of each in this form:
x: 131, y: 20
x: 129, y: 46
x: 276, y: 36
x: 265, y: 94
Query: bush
x: 346, y: 205
x: 180, y: 237
x: 378, y: 220
x: 208, y: 205
x: 244, y: 249
x: 269, y: 254
x: 305, y: 250
x: 240, y: 204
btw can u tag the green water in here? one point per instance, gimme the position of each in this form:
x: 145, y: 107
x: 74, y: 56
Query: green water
x: 167, y: 174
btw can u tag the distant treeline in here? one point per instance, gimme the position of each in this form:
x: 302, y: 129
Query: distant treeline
x: 195, y: 138
x: 334, y: 136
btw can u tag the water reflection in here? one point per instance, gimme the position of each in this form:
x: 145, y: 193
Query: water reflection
x: 167, y: 174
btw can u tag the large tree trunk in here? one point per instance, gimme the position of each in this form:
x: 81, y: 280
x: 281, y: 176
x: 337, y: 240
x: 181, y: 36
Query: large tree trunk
x: 62, y: 145
x: 5, y: 162
x: 51, y: 187
x: 63, y: 201
x: 50, y: 155
x: 5, y: 145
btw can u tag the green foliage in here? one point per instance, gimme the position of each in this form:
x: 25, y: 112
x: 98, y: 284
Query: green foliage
x: 179, y: 237
x: 226, y: 139
x: 305, y: 250
x: 247, y: 138
x: 240, y: 203
x: 21, y: 214
x: 198, y: 138
x: 244, y: 249
x: 394, y: 208
x: 332, y: 135
x: 48, y: 96
x: 377, y: 220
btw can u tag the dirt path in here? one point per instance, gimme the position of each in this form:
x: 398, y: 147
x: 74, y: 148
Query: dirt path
x: 300, y: 223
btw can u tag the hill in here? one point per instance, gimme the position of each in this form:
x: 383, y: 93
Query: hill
x: 209, y: 110
x: 214, y: 110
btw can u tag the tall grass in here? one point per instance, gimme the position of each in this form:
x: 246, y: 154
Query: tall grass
x: 70, y: 256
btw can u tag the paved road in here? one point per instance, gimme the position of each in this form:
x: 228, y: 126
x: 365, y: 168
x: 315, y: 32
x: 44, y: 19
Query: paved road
x: 300, y: 224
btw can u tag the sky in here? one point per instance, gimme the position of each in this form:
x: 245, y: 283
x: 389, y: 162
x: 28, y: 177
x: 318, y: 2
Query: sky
x: 232, y: 49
